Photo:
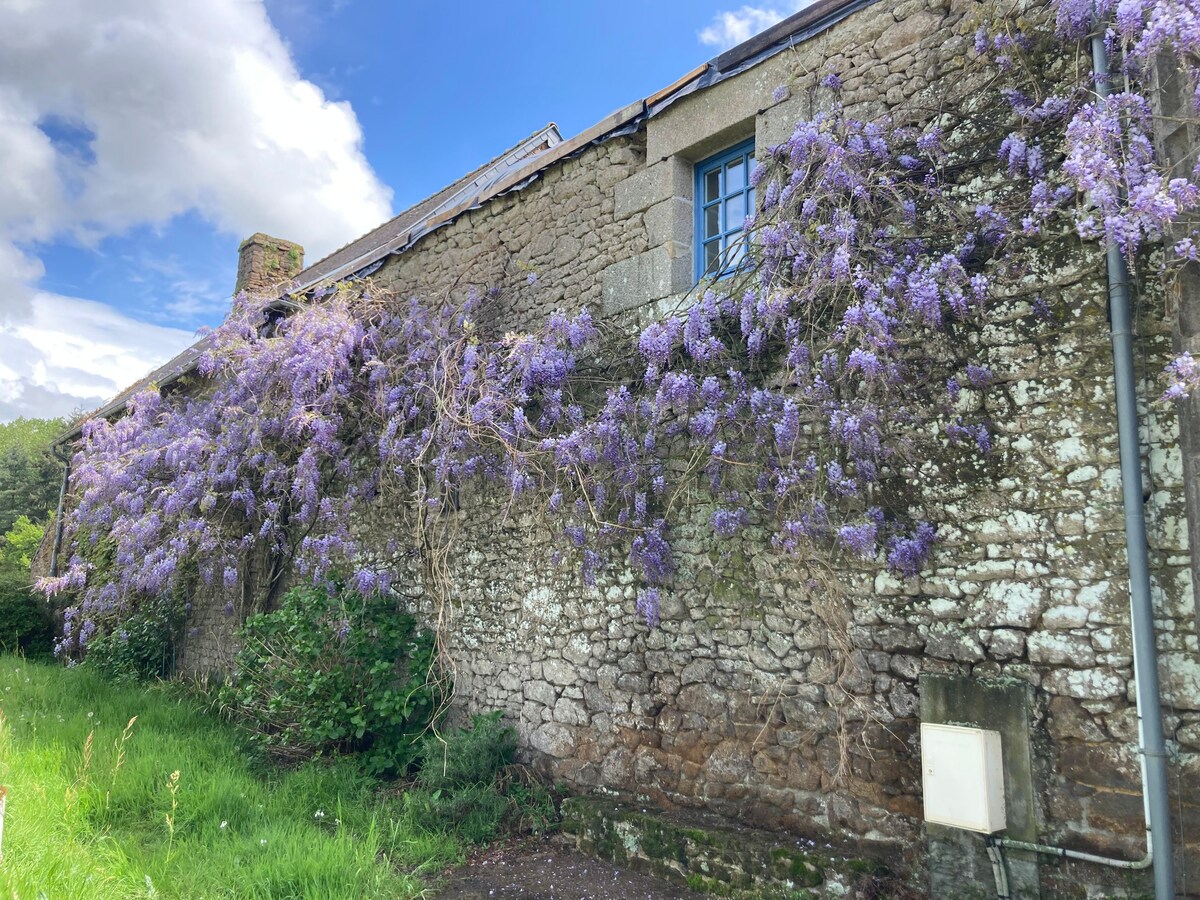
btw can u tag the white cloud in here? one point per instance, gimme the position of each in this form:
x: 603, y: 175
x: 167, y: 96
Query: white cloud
x: 194, y: 105
x: 728, y: 29
x: 130, y: 113
x: 71, y: 354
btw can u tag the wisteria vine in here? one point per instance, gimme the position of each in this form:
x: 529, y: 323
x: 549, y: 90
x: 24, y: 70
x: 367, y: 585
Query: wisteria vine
x: 802, y: 395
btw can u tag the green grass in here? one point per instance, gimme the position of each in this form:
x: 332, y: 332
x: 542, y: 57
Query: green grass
x: 94, y: 809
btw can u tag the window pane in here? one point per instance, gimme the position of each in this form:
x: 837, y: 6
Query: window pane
x: 750, y: 200
x: 735, y: 176
x: 712, y: 185
x: 736, y: 254
x: 735, y: 212
x: 712, y: 220
x: 753, y: 164
x: 712, y: 251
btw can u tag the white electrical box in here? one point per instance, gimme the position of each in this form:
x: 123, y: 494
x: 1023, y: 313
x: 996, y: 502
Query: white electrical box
x: 963, y: 777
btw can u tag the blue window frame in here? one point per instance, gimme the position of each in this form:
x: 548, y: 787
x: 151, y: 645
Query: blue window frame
x: 724, y: 199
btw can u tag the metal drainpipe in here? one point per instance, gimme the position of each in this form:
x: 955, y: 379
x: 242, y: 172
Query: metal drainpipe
x: 58, y: 515
x: 1152, y: 747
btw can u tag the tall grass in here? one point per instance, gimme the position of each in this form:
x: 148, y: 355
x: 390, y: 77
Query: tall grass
x: 117, y: 791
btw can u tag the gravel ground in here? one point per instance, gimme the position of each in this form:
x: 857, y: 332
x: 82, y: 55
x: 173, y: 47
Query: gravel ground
x: 553, y: 871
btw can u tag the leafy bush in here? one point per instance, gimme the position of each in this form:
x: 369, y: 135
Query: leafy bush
x: 25, y: 621
x: 335, y: 671
x: 468, y: 785
x: 142, y: 647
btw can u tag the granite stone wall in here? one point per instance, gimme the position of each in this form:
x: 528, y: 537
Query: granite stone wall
x: 545, y: 246
x: 785, y: 694
x: 207, y: 647
x: 793, y: 703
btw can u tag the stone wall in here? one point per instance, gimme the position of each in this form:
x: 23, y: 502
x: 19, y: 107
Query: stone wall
x: 545, y: 245
x: 207, y: 646
x: 736, y: 704
x: 790, y: 701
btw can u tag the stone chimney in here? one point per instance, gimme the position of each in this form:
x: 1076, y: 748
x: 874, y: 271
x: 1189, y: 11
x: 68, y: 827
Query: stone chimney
x: 265, y: 263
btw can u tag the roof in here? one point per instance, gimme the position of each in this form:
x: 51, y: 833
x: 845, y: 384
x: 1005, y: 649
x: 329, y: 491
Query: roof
x: 511, y: 170
x: 333, y: 265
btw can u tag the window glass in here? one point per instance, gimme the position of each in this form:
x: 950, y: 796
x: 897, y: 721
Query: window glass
x: 735, y: 212
x: 712, y: 185
x: 736, y: 252
x: 712, y: 221
x: 735, y: 176
x: 712, y: 254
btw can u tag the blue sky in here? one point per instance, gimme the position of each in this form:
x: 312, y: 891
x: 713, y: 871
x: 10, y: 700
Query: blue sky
x: 142, y: 143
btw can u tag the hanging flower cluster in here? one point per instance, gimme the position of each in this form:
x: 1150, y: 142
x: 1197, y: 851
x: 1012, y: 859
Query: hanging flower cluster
x: 1120, y: 190
x: 801, y: 395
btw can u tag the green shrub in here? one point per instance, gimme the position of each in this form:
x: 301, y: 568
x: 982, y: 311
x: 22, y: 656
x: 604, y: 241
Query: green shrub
x: 467, y: 756
x: 335, y: 671
x: 142, y: 647
x: 26, y: 625
x: 468, y: 786
x: 20, y: 543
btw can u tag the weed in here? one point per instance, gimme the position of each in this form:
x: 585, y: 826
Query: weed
x: 467, y: 756
x: 173, y: 787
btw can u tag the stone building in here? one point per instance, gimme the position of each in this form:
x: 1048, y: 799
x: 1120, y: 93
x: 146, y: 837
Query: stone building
x: 1021, y: 624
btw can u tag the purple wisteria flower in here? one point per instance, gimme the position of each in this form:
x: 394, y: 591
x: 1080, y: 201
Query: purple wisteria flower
x: 792, y: 396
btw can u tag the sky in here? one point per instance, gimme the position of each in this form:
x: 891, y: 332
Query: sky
x: 142, y: 140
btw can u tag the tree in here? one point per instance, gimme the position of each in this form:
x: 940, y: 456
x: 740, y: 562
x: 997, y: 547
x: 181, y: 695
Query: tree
x: 25, y: 621
x: 20, y: 543
x: 29, y: 473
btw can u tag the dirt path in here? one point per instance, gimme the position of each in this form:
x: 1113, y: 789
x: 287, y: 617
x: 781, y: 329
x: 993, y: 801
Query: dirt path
x: 551, y: 870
